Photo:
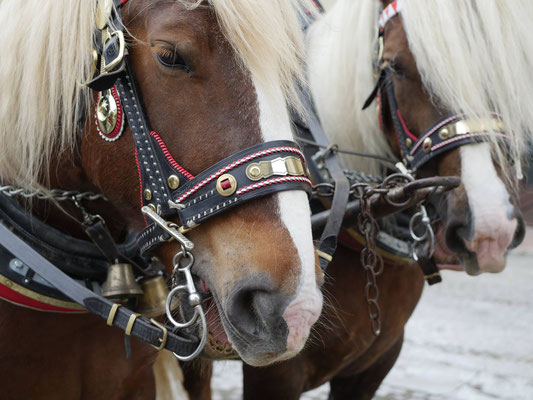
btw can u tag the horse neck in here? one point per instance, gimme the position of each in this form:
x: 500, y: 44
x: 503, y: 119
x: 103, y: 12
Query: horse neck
x: 67, y: 173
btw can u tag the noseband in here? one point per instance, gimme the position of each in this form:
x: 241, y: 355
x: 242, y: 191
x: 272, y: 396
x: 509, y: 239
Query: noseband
x: 447, y: 133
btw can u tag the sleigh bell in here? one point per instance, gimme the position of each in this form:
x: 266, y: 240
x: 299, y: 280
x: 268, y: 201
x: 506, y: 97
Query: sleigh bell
x: 152, y: 303
x: 120, y: 283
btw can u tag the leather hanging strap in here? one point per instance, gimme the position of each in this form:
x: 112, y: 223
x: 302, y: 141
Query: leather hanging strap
x: 327, y: 243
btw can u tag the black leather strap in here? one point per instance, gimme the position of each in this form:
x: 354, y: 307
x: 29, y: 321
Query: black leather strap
x: 430, y: 269
x: 142, y: 327
x: 312, y: 127
x: 78, y: 258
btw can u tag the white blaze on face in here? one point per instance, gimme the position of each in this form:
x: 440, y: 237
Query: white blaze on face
x: 305, y: 307
x: 492, y: 222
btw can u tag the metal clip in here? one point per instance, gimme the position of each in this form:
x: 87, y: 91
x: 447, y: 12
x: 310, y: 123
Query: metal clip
x: 194, y: 300
x: 428, y: 236
x: 168, y: 227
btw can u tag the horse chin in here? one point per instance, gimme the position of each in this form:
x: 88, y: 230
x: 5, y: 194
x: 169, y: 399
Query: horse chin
x: 447, y: 259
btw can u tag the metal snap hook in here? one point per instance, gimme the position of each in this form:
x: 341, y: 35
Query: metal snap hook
x: 203, y: 339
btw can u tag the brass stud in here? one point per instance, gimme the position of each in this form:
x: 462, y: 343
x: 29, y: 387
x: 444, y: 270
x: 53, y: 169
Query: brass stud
x: 426, y: 146
x: 408, y: 142
x: 445, y: 133
x: 147, y: 194
x: 152, y: 207
x: 173, y: 181
x: 254, y: 172
x: 226, y: 185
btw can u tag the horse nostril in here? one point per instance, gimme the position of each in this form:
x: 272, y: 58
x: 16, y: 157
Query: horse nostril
x: 520, y: 231
x: 456, y: 234
x: 256, y: 310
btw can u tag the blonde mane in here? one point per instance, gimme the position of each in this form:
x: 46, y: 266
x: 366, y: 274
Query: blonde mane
x: 474, y: 57
x: 340, y: 49
x: 46, y: 49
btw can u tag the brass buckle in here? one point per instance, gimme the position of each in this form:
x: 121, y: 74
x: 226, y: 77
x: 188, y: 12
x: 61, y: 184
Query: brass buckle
x: 163, y: 339
x: 106, y: 68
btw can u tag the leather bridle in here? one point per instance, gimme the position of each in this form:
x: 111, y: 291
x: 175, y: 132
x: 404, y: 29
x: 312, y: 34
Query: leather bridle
x: 254, y: 172
x: 447, y: 133
x: 280, y: 165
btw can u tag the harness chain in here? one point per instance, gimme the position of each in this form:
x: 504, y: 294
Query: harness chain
x: 369, y: 228
x: 54, y: 194
x: 370, y: 259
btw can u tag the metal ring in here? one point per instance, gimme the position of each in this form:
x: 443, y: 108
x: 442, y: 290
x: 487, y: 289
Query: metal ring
x: 183, y: 254
x: 203, y: 339
x: 407, y: 178
x: 412, y: 221
x: 169, y: 313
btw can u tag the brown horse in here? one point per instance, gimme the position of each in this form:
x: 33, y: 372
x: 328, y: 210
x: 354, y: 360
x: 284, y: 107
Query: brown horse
x: 438, y: 57
x: 208, y: 93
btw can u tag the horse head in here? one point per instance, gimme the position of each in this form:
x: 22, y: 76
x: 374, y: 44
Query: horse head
x: 214, y: 79
x: 449, y: 103
x: 480, y: 221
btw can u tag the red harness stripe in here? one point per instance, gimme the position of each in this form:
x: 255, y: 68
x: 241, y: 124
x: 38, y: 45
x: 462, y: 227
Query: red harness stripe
x: 24, y: 301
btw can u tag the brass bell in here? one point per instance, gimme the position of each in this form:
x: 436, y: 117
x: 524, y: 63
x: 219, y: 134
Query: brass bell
x: 120, y: 283
x: 152, y: 303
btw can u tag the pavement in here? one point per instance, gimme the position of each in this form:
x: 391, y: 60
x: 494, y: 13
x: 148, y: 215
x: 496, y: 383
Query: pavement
x: 470, y: 338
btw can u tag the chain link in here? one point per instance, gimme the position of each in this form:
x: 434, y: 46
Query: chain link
x: 370, y: 259
x: 54, y: 194
x: 363, y: 188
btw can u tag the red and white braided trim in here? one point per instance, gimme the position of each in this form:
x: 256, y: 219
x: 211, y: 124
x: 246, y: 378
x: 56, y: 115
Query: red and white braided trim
x: 169, y: 157
x: 234, y: 164
x: 389, y: 12
x: 273, y: 181
x: 459, y: 138
x: 447, y: 121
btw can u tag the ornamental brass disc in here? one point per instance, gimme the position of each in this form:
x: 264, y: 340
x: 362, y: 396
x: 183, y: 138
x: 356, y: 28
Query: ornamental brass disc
x: 107, y: 112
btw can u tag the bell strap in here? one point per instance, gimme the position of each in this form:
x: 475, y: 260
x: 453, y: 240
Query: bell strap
x: 149, y: 331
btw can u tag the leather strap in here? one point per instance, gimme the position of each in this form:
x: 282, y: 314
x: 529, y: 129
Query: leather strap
x: 142, y: 328
x: 310, y: 125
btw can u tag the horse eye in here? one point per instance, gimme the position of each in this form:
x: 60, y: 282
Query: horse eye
x: 172, y: 59
x: 397, y: 69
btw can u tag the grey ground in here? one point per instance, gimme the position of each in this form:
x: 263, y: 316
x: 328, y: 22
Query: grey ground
x: 470, y: 338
